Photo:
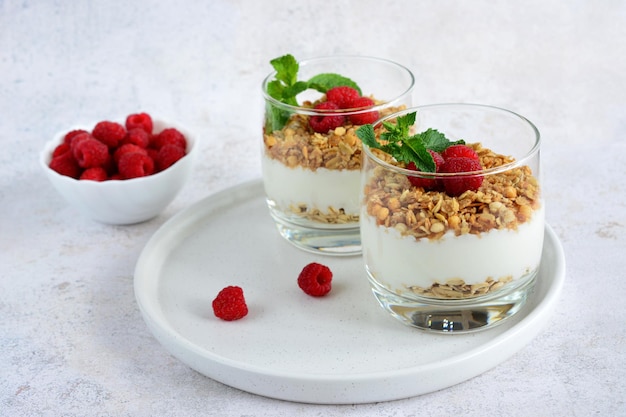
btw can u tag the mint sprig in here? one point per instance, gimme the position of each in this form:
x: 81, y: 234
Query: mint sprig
x: 404, y: 147
x: 285, y: 87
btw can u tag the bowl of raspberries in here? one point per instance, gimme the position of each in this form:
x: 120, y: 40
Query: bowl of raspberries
x: 120, y: 172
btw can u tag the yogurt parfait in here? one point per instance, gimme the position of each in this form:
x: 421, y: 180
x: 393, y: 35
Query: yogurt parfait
x: 311, y: 156
x: 452, y: 216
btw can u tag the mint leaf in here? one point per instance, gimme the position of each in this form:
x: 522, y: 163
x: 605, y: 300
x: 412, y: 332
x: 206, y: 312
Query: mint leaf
x: 419, y: 155
x: 286, y: 87
x: 289, y: 94
x: 275, y: 89
x: 275, y: 117
x: 436, y: 141
x: 404, y: 147
x: 396, y: 132
x: 286, y: 68
x: 405, y: 122
x: 367, y: 136
x: 324, y: 82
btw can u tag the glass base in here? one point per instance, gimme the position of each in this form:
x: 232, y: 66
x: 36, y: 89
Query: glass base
x: 455, y: 316
x: 336, y: 241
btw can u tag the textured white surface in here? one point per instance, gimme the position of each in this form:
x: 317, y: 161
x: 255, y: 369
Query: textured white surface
x: 72, y: 341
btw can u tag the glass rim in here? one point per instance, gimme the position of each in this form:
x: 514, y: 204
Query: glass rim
x: 483, y: 172
x: 345, y: 112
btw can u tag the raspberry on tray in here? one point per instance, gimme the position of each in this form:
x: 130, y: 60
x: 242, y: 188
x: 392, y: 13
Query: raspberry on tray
x: 315, y: 279
x: 230, y: 304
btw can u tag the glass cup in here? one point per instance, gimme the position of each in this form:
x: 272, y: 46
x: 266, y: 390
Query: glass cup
x: 311, y: 179
x: 455, y: 263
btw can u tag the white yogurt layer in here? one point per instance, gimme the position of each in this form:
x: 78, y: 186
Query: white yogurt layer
x: 398, y: 261
x: 320, y: 189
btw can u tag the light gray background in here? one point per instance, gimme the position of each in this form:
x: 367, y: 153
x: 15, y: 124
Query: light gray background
x: 72, y: 341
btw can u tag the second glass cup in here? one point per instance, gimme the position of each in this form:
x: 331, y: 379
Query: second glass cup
x: 311, y: 155
x: 457, y: 249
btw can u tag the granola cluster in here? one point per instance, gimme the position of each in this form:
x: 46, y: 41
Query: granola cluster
x: 504, y: 201
x: 297, y: 145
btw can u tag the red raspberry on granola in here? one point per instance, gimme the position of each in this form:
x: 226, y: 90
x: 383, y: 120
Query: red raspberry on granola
x: 457, y: 185
x: 363, y: 118
x: 426, y: 183
x: 342, y: 96
x: 324, y: 123
x: 456, y: 151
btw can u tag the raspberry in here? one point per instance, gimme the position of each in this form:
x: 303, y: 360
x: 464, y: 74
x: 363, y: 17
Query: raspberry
x: 94, y: 174
x: 109, y: 133
x: 107, y: 144
x: 76, y: 139
x: 322, y: 124
x: 363, y: 118
x: 61, y: 149
x: 426, y: 183
x: 315, y: 279
x: 230, y: 304
x: 139, y: 120
x: 69, y: 136
x: 457, y: 151
x: 110, y: 166
x: 153, y: 153
x: 91, y: 153
x: 170, y: 136
x: 168, y: 155
x: 342, y: 96
x: 126, y: 148
x: 65, y: 164
x: 439, y: 160
x: 135, y: 164
x: 457, y: 185
x: 136, y: 136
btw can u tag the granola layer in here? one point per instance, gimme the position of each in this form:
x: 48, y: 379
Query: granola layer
x: 504, y: 201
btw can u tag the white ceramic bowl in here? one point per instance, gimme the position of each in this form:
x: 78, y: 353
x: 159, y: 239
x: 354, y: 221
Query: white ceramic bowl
x: 123, y: 201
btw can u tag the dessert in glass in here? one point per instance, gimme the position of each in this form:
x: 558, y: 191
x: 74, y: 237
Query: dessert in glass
x: 452, y: 219
x: 311, y: 156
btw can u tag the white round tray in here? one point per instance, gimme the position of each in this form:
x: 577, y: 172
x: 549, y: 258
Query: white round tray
x: 338, y: 349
